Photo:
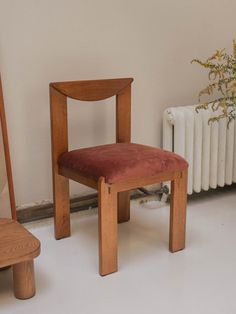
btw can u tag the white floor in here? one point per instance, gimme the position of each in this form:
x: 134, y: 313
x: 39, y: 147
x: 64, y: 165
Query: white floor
x: 199, y: 280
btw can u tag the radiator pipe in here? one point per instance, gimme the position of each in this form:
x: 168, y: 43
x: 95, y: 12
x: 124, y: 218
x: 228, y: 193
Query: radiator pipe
x: 163, y: 190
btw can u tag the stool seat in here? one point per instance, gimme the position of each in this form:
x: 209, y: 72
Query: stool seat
x: 16, y: 243
x: 121, y: 161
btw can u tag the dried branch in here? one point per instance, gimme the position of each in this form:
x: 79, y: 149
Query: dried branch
x: 222, y: 76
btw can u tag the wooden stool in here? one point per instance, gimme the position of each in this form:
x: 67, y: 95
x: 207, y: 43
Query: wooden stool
x: 18, y: 248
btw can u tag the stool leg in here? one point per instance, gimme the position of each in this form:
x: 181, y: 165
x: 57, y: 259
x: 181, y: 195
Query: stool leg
x: 123, y: 206
x: 24, y: 282
x: 107, y: 229
x: 178, y: 212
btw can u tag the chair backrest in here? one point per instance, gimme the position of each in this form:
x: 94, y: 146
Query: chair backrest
x: 93, y: 90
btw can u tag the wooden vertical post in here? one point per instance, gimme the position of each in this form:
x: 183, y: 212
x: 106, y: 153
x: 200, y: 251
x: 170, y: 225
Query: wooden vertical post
x: 59, y: 134
x: 123, y: 116
x: 123, y: 206
x: 178, y: 212
x: 123, y: 135
x: 107, y: 229
x: 24, y: 281
x: 7, y: 154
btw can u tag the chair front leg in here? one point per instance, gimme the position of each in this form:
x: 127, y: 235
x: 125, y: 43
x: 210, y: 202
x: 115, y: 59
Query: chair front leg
x: 178, y: 212
x: 107, y: 229
x: 123, y: 206
x: 61, y: 206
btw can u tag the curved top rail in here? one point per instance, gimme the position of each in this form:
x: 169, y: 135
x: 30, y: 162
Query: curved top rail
x: 92, y: 90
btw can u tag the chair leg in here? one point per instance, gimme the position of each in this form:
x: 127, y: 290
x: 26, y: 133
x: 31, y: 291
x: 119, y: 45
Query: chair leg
x: 123, y: 206
x: 178, y: 212
x: 61, y: 207
x: 5, y: 268
x: 23, y: 278
x: 107, y: 229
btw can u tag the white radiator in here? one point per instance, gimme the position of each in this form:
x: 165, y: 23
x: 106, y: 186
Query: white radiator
x: 210, y: 149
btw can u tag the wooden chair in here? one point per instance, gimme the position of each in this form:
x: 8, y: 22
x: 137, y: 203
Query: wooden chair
x: 112, y: 169
x: 18, y: 248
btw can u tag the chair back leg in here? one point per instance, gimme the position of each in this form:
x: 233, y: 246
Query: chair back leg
x: 123, y: 206
x: 61, y: 206
x: 178, y: 212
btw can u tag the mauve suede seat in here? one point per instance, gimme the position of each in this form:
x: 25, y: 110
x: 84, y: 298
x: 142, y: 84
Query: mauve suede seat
x: 121, y: 161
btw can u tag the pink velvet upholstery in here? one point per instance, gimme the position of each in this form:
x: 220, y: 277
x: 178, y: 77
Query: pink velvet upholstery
x: 121, y: 161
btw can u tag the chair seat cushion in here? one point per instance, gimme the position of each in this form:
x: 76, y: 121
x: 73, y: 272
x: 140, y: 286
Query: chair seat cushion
x: 121, y: 161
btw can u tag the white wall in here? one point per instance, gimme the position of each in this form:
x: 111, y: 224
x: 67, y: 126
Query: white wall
x: 52, y: 40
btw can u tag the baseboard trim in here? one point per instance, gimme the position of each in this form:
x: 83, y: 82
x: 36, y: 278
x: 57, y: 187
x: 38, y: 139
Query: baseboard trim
x: 43, y: 211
